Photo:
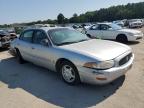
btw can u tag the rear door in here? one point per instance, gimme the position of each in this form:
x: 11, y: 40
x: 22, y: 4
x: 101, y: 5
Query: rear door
x: 25, y: 44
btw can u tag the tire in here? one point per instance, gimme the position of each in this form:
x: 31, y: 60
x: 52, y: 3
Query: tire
x: 121, y: 38
x: 19, y: 57
x: 69, y: 73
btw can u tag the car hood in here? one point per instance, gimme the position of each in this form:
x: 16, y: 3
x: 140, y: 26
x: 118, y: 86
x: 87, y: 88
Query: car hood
x: 130, y: 31
x: 98, y: 49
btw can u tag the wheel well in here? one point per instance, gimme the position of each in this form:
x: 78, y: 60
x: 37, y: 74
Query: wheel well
x: 60, y: 61
x: 90, y: 36
x: 122, y: 38
x: 119, y: 35
x: 16, y: 50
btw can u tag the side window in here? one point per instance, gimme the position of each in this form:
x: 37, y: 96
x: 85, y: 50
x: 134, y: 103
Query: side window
x: 104, y: 27
x: 94, y: 27
x: 38, y: 37
x: 27, y: 36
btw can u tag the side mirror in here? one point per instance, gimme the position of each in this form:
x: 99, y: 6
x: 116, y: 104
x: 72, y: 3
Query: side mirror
x: 44, y: 42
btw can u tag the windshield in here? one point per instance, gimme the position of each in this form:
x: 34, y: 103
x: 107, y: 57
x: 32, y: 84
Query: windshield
x: 116, y: 27
x: 66, y: 36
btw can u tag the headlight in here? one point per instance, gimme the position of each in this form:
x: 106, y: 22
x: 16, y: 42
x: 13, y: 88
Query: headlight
x: 100, y: 65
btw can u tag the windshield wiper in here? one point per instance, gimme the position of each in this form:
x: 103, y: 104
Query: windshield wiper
x: 83, y: 40
x: 65, y: 43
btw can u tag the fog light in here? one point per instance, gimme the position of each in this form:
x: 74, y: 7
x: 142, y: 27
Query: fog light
x: 101, y: 77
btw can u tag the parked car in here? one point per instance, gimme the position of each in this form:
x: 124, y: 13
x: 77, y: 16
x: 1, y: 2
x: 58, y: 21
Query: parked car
x: 113, y: 32
x: 120, y: 23
x: 143, y: 21
x: 85, y: 26
x: 4, y: 39
x: 12, y: 33
x: 75, y: 56
x: 78, y: 28
x: 135, y: 23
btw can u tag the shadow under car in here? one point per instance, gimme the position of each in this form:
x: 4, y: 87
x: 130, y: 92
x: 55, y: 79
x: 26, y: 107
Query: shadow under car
x: 47, y: 85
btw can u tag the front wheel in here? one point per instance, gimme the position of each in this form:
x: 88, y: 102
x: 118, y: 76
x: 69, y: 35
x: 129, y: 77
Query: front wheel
x: 69, y: 73
x: 122, y: 38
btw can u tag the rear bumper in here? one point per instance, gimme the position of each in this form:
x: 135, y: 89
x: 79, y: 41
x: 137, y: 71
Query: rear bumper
x: 101, y: 77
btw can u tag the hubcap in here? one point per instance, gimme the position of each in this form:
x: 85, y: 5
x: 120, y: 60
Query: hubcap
x: 68, y: 73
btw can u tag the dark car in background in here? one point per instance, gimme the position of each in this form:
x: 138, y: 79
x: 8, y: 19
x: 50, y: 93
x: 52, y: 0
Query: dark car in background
x: 6, y: 37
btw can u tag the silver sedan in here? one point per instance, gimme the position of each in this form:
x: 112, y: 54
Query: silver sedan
x: 75, y: 56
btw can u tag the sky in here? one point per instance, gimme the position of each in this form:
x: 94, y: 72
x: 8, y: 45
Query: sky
x: 17, y: 11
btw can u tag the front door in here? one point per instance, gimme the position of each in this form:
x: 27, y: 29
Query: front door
x: 94, y: 31
x: 42, y: 51
x: 107, y: 31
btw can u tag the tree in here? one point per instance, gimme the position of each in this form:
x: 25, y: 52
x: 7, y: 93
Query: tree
x: 75, y: 15
x: 74, y: 19
x: 60, y: 18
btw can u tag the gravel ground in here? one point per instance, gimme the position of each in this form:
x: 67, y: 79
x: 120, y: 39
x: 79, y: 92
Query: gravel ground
x: 30, y: 86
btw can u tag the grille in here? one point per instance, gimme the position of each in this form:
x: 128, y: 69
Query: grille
x: 125, y: 59
x: 137, y: 23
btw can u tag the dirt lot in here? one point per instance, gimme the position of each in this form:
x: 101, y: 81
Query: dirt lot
x: 30, y: 86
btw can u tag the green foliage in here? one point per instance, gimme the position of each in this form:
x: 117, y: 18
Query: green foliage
x: 18, y: 30
x: 129, y: 11
x: 60, y: 18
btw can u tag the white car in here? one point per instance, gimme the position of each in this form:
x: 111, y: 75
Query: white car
x: 112, y: 31
x: 120, y: 23
x: 135, y: 24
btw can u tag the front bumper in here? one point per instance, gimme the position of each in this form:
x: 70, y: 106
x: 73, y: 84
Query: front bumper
x: 90, y: 75
x: 136, y: 25
x: 135, y: 37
